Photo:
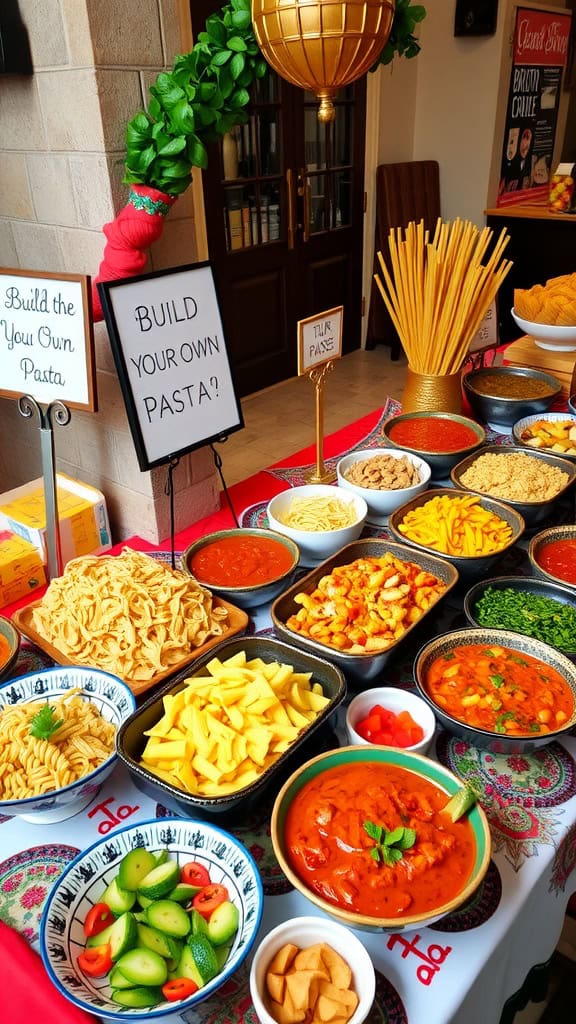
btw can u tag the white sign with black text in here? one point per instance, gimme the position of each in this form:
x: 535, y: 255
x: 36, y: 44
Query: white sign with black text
x: 168, y: 343
x: 319, y: 339
x: 46, y: 348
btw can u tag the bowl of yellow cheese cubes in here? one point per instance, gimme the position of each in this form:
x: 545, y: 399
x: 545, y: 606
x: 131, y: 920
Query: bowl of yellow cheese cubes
x: 219, y: 734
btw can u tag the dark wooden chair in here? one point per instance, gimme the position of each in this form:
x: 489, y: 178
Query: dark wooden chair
x: 404, y: 192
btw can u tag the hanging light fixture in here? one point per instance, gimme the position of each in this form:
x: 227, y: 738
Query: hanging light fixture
x: 322, y: 45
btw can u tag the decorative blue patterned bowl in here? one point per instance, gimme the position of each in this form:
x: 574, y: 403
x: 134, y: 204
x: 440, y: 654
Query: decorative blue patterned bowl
x: 115, y: 703
x: 83, y: 882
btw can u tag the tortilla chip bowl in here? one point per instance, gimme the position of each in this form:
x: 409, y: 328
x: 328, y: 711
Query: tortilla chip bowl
x: 380, y: 772
x: 248, y: 543
x: 548, y: 336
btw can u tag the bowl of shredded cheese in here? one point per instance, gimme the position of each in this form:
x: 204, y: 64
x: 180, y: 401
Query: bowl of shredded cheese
x: 320, y: 518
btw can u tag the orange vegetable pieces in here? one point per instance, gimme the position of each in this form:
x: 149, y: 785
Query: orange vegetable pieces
x: 310, y: 986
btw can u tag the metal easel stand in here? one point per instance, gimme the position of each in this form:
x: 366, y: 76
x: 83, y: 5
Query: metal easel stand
x: 320, y: 475
x: 27, y: 407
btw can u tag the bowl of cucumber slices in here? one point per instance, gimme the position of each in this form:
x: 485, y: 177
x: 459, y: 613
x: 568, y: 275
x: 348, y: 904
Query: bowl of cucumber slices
x: 152, y: 920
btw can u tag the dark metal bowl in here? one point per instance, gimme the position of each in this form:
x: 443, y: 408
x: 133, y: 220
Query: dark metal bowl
x: 568, y: 531
x: 440, y: 462
x: 502, y: 413
x: 533, y: 512
x: 497, y: 743
x: 12, y: 636
x: 364, y: 668
x: 525, y: 585
x: 469, y: 566
x: 131, y: 738
x: 244, y: 596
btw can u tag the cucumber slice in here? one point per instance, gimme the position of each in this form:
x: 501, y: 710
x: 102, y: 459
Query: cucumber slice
x: 222, y: 954
x: 187, y: 968
x: 143, y: 901
x: 169, y: 917
x: 137, y: 997
x: 119, y: 900
x: 160, y: 881
x: 123, y: 936
x: 163, y: 944
x: 134, y: 866
x: 100, y: 939
x: 203, y: 956
x: 161, y: 857
x: 223, y: 923
x: 117, y: 979
x: 143, y: 967
x: 183, y: 892
x: 199, y: 923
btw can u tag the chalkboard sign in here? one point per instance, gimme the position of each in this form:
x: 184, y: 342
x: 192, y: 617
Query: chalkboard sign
x: 46, y: 340
x: 320, y: 339
x: 168, y: 344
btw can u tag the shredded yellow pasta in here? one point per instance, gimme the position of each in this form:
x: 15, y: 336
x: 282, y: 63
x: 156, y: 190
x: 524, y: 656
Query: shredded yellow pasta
x: 30, y: 766
x: 319, y: 514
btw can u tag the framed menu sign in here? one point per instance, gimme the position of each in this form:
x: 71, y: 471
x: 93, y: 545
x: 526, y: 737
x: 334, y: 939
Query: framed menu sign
x: 319, y: 339
x: 168, y: 344
x: 46, y: 338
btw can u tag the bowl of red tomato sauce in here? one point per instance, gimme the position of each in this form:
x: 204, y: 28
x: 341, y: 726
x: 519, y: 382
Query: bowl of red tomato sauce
x: 366, y: 833
x: 552, y: 554
x: 442, y: 439
x: 246, y: 566
x: 499, y: 690
x: 9, y: 646
x: 389, y: 716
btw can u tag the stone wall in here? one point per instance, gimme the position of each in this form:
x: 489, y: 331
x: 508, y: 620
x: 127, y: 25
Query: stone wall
x: 61, y: 167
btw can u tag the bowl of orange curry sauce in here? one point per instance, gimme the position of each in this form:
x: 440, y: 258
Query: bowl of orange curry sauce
x: 247, y: 567
x: 442, y: 439
x: 552, y: 554
x: 498, y: 690
x: 363, y: 834
x: 9, y: 646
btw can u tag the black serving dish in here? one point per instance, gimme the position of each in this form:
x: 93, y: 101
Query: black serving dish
x: 358, y: 668
x: 524, y: 585
x: 500, y: 412
x: 130, y: 740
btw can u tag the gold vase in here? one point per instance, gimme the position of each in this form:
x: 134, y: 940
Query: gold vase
x: 428, y: 392
x: 322, y: 44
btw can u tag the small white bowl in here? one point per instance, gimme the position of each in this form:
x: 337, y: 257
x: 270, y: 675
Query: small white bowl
x: 396, y: 700
x: 304, y: 932
x: 382, y: 502
x: 316, y: 545
x: 548, y: 336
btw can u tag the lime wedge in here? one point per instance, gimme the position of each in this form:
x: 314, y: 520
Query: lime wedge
x: 460, y: 803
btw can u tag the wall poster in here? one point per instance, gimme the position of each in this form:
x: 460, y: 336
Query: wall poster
x: 539, y: 57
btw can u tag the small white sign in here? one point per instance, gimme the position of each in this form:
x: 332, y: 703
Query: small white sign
x: 320, y: 339
x: 168, y: 344
x: 46, y: 341
x: 487, y: 334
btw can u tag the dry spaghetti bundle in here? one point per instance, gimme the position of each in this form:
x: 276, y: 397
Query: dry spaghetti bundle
x: 438, y: 290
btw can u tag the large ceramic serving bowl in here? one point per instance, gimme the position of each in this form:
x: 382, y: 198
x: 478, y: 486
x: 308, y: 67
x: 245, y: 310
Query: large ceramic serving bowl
x: 115, y: 703
x: 382, y: 501
x: 83, y: 882
x: 230, y: 806
x: 12, y: 637
x: 496, y: 742
x: 244, y: 595
x: 440, y: 462
x: 469, y: 566
x: 304, y: 932
x: 362, y: 668
x: 316, y: 545
x: 548, y: 336
x: 522, y: 430
x: 548, y: 536
x: 501, y: 412
x: 410, y: 763
x: 527, y: 623
x: 533, y: 512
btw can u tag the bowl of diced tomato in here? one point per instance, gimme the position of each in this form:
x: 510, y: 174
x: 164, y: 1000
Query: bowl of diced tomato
x: 391, y: 717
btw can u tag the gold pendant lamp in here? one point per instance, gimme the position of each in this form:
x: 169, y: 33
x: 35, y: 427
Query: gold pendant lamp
x: 322, y: 45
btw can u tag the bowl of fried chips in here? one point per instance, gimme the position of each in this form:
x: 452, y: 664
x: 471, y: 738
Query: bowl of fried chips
x: 57, y: 740
x: 554, y: 337
x: 128, y: 614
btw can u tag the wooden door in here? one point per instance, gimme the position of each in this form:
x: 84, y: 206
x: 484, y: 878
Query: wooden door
x: 284, y: 200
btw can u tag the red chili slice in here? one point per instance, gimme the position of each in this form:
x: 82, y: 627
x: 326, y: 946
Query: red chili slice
x: 193, y: 873
x: 96, y: 962
x: 179, y: 988
x: 210, y: 897
x: 97, y: 919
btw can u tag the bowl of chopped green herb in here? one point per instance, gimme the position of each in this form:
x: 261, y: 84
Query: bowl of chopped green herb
x: 546, y: 611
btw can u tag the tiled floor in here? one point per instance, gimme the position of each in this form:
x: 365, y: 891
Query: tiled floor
x: 282, y: 419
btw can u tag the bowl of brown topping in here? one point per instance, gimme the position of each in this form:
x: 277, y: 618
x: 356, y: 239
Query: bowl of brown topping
x: 529, y: 481
x: 501, y: 395
x: 384, y: 478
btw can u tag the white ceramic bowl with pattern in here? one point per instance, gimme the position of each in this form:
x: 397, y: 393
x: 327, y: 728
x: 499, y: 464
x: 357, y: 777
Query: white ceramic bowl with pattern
x: 115, y: 703
x: 83, y: 882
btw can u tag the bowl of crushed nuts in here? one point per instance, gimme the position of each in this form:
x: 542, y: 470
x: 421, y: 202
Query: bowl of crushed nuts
x: 385, y: 479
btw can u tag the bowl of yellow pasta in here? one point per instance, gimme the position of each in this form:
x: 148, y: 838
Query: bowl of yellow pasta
x: 58, y: 740
x: 320, y: 518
